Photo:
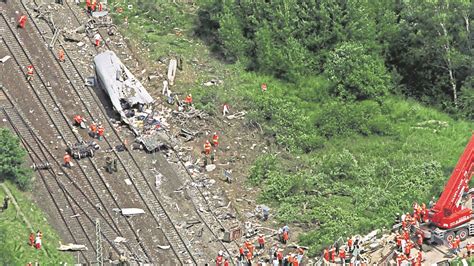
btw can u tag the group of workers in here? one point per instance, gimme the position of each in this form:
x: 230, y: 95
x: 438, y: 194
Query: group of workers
x: 35, y: 239
x: 93, y: 5
x: 95, y: 131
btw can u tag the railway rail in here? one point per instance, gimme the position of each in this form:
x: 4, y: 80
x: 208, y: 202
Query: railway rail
x: 40, y: 89
x: 87, y: 96
x: 147, y: 194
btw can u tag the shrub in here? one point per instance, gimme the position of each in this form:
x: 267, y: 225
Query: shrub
x: 11, y: 160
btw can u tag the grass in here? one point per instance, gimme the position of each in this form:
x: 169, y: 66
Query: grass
x: 352, y: 165
x: 14, y: 234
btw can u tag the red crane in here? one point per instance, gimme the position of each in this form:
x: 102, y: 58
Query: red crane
x: 449, y: 212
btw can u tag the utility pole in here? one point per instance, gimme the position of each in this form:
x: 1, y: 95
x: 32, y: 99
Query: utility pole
x: 98, y: 248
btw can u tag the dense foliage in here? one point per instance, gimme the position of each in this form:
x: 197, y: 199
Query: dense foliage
x: 11, y: 160
x: 425, y: 45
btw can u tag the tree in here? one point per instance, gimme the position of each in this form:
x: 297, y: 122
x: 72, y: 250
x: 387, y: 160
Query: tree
x: 356, y: 73
x: 11, y: 160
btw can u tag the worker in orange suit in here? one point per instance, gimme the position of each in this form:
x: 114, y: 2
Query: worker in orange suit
x: 22, y: 21
x: 93, y: 5
x: 207, y: 147
x: 100, y: 132
x: 400, y: 259
x: 249, y: 257
x: 78, y: 120
x: 61, y: 56
x: 419, y: 259
x: 215, y: 140
x: 88, y: 5
x: 280, y: 257
x: 342, y: 255
x: 350, y: 243
x: 189, y: 99
x: 261, y: 241
x: 332, y: 251
x: 32, y: 239
x: 93, y: 130
x: 67, y: 160
x: 29, y: 72
x: 251, y: 248
x: 285, y: 237
x: 419, y: 241
x: 241, y: 253
x: 326, y: 254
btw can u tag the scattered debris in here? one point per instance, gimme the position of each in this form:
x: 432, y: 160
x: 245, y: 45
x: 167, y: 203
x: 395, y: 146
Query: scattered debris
x: 71, y: 247
x: 5, y: 58
x: 129, y: 211
x: 163, y: 247
x: 120, y: 239
x: 82, y: 149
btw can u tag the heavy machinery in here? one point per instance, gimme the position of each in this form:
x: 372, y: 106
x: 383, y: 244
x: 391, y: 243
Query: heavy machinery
x: 452, y: 215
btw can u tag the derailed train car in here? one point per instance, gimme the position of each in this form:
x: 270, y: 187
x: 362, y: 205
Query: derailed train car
x: 124, y: 90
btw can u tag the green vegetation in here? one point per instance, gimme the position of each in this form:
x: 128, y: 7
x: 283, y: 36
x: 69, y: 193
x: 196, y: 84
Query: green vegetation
x: 11, y: 160
x: 361, y: 102
x: 14, y: 234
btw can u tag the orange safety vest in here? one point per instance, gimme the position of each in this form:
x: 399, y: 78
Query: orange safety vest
x: 261, y: 240
x: 326, y: 254
x: 342, y: 253
x: 241, y: 251
x: 279, y: 255
x: 207, y: 147
x: 249, y: 255
x: 93, y: 128
x: 285, y: 236
x: 88, y: 3
x: 188, y: 99
x: 215, y: 139
x: 67, y: 159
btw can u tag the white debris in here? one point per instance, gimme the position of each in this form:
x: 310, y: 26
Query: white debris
x: 128, y: 182
x: 210, y: 167
x: 120, y: 239
x: 163, y: 247
x: 5, y: 58
x: 129, y: 211
x: 71, y: 247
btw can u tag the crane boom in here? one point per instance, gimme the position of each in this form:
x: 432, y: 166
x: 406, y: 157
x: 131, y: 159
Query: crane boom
x: 448, y: 212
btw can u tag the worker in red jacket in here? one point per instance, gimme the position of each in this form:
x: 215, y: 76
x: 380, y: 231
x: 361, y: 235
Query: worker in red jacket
x: 408, y: 249
x: 285, y: 237
x: 61, y: 55
x: 350, y: 243
x: 22, y: 21
x: 226, y: 261
x: 29, y: 72
x: 326, y: 254
x: 261, y: 241
x: 332, y: 251
x: 100, y: 132
x: 280, y: 257
x: 215, y: 140
x: 219, y: 260
x: 67, y: 160
x: 207, y: 147
x: 78, y: 120
x: 32, y: 239
x: 419, y: 241
x: 342, y: 255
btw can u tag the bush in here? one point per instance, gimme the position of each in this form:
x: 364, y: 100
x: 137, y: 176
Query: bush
x: 357, y: 74
x: 11, y: 160
x: 261, y: 168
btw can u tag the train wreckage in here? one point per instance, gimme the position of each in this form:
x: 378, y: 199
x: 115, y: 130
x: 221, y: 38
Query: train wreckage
x: 131, y: 100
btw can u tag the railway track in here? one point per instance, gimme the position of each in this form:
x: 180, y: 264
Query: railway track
x: 141, y: 184
x: 60, y: 122
x: 148, y: 196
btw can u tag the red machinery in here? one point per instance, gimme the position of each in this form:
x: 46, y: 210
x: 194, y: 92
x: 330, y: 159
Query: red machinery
x: 449, y: 216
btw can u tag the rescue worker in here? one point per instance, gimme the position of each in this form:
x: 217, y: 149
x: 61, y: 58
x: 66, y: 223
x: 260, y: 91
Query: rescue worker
x: 241, y: 253
x: 332, y: 251
x: 29, y: 72
x: 39, y: 234
x: 93, y: 5
x: 207, y: 147
x: 22, y: 21
x: 400, y: 259
x: 78, y: 120
x: 225, y: 109
x: 251, y: 248
x: 455, y: 245
x: 470, y: 248
x: 88, y: 5
x: 342, y: 255
x: 188, y: 100
x: 419, y: 259
x: 326, y: 254
x: 165, y: 87
x: 408, y: 250
x: 219, y: 260
x: 226, y: 262
x: 93, y: 130
x: 38, y: 242
x: 97, y: 39
x: 285, y: 237
x: 32, y: 239
x: 67, y: 160
x: 100, y: 132
x: 280, y: 257
x: 249, y: 258
x: 261, y: 242
x: 61, y: 56
x: 215, y: 140
x: 420, y: 241
x: 350, y: 244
